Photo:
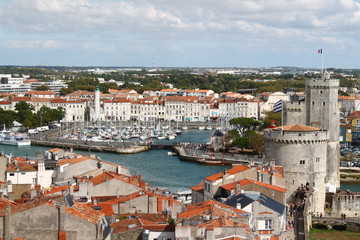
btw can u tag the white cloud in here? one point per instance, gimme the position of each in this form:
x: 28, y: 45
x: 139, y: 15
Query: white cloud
x: 135, y: 25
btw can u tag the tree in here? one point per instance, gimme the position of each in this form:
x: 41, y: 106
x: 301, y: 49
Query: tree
x: 243, y: 124
x: 43, y: 88
x: 7, y: 118
x: 241, y: 142
x: 271, y: 116
x: 257, y: 142
x: 25, y: 114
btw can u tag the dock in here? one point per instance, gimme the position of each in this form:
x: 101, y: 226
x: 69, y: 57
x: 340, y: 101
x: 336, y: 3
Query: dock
x: 184, y: 153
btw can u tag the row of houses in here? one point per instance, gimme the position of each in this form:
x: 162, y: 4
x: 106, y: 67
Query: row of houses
x: 66, y: 195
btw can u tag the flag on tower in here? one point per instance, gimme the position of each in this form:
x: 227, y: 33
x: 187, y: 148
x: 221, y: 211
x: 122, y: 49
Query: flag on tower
x: 278, y: 106
x: 320, y: 51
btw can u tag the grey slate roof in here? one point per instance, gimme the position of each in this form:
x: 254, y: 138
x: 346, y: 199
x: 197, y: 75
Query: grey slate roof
x: 247, y: 198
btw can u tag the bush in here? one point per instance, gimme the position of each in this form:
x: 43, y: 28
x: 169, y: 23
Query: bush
x: 319, y: 226
x: 339, y: 227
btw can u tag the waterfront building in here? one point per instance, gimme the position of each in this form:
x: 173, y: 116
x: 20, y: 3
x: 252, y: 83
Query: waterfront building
x: 235, y: 108
x: 117, y: 109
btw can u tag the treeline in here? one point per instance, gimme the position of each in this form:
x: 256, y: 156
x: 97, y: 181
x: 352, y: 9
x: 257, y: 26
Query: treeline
x: 181, y: 79
x: 24, y: 114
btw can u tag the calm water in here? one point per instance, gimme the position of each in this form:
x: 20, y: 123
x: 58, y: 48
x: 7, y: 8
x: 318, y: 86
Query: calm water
x: 157, y: 168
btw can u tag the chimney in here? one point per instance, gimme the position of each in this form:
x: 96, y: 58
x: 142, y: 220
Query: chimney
x: 38, y: 155
x: 237, y: 188
x: 272, y: 165
x: 7, y: 223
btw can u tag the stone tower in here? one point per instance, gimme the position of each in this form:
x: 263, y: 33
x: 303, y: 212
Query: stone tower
x: 322, y: 111
x: 302, y: 151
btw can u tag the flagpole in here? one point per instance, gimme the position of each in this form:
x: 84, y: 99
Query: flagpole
x: 322, y: 61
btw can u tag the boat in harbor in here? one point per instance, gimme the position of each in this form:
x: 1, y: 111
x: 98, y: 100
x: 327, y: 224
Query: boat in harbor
x: 210, y: 161
x: 15, y: 140
x: 9, y: 138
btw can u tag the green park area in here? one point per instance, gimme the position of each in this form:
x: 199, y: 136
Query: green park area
x: 324, y: 234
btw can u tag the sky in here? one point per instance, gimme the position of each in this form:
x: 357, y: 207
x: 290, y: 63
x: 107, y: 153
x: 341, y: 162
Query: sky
x: 184, y: 33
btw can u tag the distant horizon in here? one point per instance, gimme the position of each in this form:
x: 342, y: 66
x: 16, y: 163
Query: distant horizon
x: 153, y: 67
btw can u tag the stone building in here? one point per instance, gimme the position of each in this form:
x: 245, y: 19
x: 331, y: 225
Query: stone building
x: 301, y: 150
x: 308, y: 148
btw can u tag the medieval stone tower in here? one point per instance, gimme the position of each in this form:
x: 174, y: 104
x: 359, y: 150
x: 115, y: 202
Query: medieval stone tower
x: 322, y: 111
x: 301, y: 150
x: 308, y: 144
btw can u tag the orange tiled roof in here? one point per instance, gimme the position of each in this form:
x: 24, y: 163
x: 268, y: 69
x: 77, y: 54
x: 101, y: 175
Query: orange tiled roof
x: 70, y: 161
x: 198, y: 188
x: 297, y: 128
x: 246, y: 181
x: 56, y: 190
x: 5, y: 202
x: 54, y: 150
x: 40, y: 93
x: 210, y: 207
x: 86, y: 213
x: 23, y: 166
x: 232, y: 171
x: 346, y: 98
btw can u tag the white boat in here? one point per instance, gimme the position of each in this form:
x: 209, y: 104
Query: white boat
x: 172, y: 153
x: 8, y: 138
x: 171, y: 136
x: 201, y: 128
x: 15, y: 140
x: 208, y: 128
x: 184, y: 127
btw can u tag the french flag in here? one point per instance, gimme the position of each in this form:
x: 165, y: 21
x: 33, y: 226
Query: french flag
x: 320, y: 51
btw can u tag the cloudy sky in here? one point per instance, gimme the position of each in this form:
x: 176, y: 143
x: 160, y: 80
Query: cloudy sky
x: 184, y: 33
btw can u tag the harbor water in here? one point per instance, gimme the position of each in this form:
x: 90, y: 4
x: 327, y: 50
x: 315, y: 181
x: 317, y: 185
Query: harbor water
x: 157, y: 168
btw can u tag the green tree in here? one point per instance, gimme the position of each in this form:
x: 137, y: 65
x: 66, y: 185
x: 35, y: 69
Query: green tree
x: 242, y: 142
x: 271, y: 116
x: 243, y: 124
x: 257, y: 142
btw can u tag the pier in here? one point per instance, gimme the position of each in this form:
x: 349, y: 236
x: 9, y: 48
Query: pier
x: 185, y: 151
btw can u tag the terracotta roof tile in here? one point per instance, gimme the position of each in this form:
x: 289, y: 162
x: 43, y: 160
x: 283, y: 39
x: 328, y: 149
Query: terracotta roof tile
x: 236, y: 169
x: 84, y: 212
x: 297, y: 128
x: 210, y: 207
x: 245, y: 181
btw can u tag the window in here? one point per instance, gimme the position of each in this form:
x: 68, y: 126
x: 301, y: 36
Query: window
x: 302, y: 162
x: 34, y: 181
x: 268, y: 224
x: 317, y: 159
x: 22, y: 173
x: 12, y: 174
